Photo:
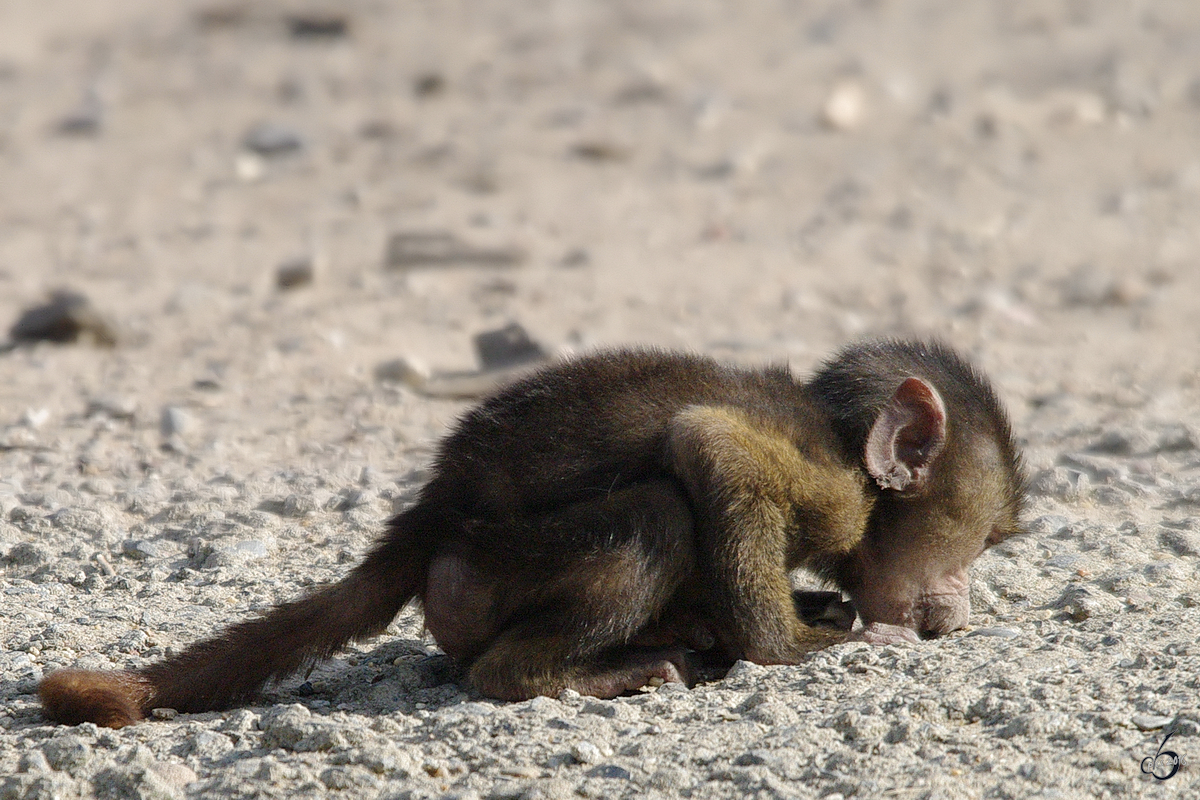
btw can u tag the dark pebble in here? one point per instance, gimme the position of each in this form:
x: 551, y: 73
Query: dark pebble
x: 294, y: 274
x: 507, y: 347
x: 317, y: 26
x: 600, y: 151
x: 429, y: 84
x: 272, y: 139
x: 68, y: 317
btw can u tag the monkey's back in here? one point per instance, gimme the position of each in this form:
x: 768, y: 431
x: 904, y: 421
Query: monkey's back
x: 576, y: 430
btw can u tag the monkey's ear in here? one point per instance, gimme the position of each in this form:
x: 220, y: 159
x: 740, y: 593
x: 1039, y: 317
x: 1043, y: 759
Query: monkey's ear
x: 907, y: 436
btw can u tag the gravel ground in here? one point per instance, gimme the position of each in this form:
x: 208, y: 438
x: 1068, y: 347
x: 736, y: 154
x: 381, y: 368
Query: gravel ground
x: 287, y: 214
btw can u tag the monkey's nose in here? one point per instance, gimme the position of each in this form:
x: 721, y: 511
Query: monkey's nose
x: 941, y: 619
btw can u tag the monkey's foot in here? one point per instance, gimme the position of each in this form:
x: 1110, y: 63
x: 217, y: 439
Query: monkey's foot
x: 508, y: 673
x: 882, y: 633
x: 108, y: 699
x: 648, y: 668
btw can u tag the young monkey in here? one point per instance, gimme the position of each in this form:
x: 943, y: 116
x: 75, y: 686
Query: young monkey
x: 589, y: 524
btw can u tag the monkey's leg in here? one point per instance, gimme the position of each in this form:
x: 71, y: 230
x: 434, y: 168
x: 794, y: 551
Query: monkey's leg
x: 619, y: 560
x: 527, y: 660
x: 232, y: 666
x: 761, y: 510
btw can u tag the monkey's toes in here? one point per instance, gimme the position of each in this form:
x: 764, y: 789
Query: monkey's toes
x: 882, y: 633
x: 647, y: 668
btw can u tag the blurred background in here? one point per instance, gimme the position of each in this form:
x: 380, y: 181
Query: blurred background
x: 267, y: 201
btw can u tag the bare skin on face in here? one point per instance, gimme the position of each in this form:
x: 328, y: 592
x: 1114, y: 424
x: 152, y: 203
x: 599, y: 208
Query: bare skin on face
x: 589, y: 526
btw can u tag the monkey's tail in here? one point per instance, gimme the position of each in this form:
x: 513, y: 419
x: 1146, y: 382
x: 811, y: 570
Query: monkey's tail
x: 231, y: 667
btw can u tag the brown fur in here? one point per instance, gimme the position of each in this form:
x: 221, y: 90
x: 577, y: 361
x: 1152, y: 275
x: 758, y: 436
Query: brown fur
x: 109, y: 699
x: 586, y: 526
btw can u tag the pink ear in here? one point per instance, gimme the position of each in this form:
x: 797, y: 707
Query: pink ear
x: 906, y: 437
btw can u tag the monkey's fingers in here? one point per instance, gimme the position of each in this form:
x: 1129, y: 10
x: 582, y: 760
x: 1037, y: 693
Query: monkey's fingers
x: 109, y: 699
x: 882, y: 633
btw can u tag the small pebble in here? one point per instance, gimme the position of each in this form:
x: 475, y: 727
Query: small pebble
x: 428, y: 84
x: 35, y: 417
x: 1003, y: 633
x: 403, y: 370
x: 175, y: 422
x: 34, y: 761
x: 249, y: 167
x: 86, y: 119
x: 67, y: 753
x: 221, y: 16
x: 166, y: 714
x: 68, y: 317
x: 175, y: 776
x: 414, y: 249
x: 1150, y: 722
x: 294, y: 273
x: 586, y: 753
x: 600, y: 151
x: 28, y: 554
x: 113, y: 406
x: 575, y: 257
x: 252, y: 548
x: 317, y: 26
x: 506, y: 347
x: 1088, y: 286
x: 271, y: 139
x: 845, y: 107
x: 140, y: 549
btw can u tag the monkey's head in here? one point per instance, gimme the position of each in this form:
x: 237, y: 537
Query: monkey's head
x: 931, y: 434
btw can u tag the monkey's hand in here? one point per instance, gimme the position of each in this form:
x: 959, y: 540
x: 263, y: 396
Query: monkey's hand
x: 824, y: 609
x: 882, y: 633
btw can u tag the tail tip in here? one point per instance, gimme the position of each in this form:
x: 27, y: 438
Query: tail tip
x: 108, y: 699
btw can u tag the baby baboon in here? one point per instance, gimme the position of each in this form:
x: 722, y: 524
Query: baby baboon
x: 589, y: 525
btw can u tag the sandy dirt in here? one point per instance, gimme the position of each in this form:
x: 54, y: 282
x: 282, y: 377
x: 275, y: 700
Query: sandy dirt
x: 756, y: 181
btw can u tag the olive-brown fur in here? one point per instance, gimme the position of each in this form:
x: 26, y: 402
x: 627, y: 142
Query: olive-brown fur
x: 587, y: 526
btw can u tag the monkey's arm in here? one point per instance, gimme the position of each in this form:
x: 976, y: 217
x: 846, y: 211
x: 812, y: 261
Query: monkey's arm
x: 762, y: 509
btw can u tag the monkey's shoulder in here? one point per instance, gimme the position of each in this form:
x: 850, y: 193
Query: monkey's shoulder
x: 602, y: 421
